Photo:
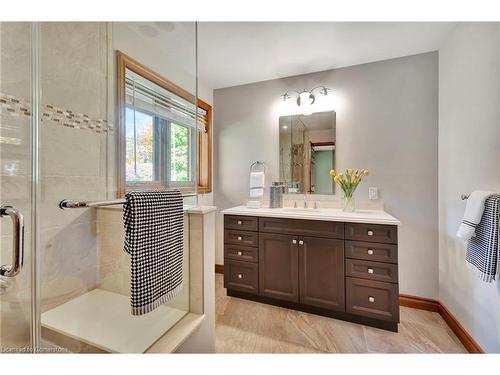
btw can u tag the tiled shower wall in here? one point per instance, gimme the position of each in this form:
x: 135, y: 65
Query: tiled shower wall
x: 73, y: 137
x: 73, y: 142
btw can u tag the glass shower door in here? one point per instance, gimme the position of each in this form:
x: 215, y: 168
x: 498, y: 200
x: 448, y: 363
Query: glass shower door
x: 85, y: 274
x: 66, y: 149
x: 15, y: 187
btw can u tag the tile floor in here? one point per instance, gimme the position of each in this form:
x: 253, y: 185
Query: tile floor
x: 250, y: 327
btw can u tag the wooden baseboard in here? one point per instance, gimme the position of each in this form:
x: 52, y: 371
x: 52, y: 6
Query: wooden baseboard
x: 432, y: 305
x: 419, y: 303
x: 470, y: 344
x: 219, y: 268
x: 429, y: 305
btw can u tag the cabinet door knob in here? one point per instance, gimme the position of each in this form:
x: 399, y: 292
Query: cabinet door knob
x: 371, y: 299
x: 240, y: 276
x: 240, y: 222
x: 301, y: 242
x: 294, y: 242
x: 240, y: 253
x: 239, y: 238
x: 370, y: 233
x: 370, y: 270
x: 370, y: 252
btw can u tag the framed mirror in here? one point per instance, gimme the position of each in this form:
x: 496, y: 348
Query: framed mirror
x: 307, y: 152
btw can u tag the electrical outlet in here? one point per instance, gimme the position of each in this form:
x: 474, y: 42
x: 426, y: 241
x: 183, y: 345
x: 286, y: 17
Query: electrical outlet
x: 373, y: 193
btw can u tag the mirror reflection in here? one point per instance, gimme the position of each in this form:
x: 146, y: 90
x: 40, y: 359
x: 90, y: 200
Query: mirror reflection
x: 307, y: 152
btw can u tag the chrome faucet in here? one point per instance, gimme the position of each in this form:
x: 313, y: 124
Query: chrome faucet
x: 305, y: 201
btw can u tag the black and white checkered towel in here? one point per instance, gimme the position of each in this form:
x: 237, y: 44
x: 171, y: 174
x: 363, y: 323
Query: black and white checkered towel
x: 154, y: 239
x: 482, y: 249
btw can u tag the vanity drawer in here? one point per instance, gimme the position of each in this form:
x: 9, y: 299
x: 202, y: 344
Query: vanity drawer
x: 372, y: 251
x: 241, y: 276
x: 241, y: 253
x: 372, y: 233
x: 250, y: 223
x: 373, y: 299
x: 372, y: 270
x: 312, y: 228
x: 236, y: 237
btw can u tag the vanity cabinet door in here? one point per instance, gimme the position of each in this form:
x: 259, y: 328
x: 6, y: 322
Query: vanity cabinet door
x: 321, y: 273
x: 278, y: 267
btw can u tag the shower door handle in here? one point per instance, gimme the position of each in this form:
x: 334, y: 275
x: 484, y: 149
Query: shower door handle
x: 17, y: 241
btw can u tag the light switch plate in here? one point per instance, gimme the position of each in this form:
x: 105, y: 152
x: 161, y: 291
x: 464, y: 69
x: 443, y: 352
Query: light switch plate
x: 373, y: 193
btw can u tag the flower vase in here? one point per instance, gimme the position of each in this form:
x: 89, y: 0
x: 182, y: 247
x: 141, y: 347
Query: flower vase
x: 348, y: 204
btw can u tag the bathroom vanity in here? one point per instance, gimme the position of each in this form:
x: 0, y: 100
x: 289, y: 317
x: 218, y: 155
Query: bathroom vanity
x: 322, y: 261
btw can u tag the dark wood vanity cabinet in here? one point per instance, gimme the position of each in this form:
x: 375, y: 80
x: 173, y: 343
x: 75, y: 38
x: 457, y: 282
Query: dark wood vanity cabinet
x: 343, y: 270
x: 278, y: 266
x: 321, y: 273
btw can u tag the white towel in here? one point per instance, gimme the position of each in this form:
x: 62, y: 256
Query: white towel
x: 473, y: 213
x: 254, y: 204
x: 257, y: 180
x: 256, y: 193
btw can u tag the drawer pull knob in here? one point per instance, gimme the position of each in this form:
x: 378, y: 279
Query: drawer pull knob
x: 240, y: 276
x: 370, y: 252
x: 371, y: 299
x: 370, y: 270
x: 240, y: 253
x: 294, y: 242
x: 240, y: 222
x: 239, y: 238
x: 370, y: 233
x: 301, y: 242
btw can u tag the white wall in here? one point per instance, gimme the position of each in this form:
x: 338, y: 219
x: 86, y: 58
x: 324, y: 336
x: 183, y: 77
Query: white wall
x: 387, y: 121
x: 469, y: 159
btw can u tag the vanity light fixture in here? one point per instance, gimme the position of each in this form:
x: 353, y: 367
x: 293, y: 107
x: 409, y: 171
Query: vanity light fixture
x: 306, y: 99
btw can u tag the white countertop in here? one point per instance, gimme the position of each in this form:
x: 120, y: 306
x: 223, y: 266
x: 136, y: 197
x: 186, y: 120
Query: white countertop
x: 325, y: 214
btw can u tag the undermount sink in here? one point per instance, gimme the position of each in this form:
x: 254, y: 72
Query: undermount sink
x: 302, y: 210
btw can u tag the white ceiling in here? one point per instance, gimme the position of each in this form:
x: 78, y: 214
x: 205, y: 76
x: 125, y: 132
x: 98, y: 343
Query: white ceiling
x: 235, y: 53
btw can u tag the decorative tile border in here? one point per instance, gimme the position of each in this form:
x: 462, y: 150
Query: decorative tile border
x: 14, y: 106
x: 71, y: 119
x: 52, y: 114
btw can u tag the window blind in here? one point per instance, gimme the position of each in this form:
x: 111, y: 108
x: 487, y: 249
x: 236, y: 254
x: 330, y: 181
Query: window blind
x: 150, y: 97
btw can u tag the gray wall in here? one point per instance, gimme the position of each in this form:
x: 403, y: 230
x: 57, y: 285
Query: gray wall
x: 469, y: 159
x: 387, y: 121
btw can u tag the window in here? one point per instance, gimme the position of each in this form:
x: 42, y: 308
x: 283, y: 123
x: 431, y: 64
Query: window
x: 180, y: 153
x: 140, y: 147
x: 165, y: 141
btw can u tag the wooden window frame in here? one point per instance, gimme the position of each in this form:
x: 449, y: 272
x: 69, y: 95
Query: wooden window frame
x: 202, y: 175
x: 125, y: 62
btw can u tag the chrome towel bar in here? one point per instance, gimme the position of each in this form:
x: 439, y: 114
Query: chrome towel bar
x: 69, y: 203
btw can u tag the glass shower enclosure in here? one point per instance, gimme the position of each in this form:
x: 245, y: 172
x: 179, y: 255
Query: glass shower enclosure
x: 64, y: 279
